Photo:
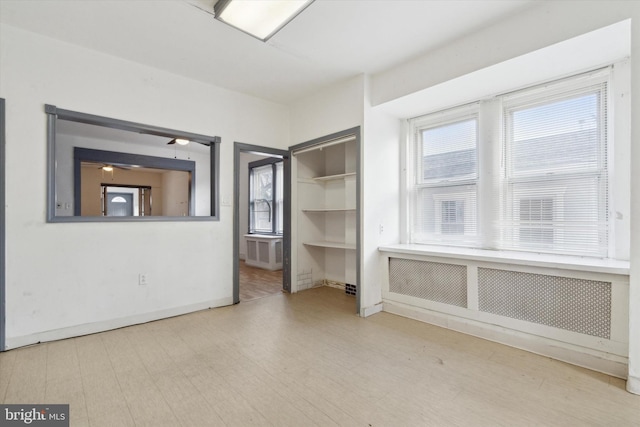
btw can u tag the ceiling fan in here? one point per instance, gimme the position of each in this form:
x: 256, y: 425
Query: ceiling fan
x: 184, y: 141
x: 109, y: 167
x: 179, y: 141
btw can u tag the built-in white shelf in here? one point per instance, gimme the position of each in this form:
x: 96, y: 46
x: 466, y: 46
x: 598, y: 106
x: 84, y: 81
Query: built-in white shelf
x: 334, y: 177
x: 323, y: 179
x: 332, y: 245
x: 330, y: 210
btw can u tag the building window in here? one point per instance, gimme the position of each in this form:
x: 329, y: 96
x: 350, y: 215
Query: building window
x: 536, y: 221
x: 539, y: 181
x: 452, y: 212
x: 445, y: 147
x: 556, y: 169
x: 266, y: 196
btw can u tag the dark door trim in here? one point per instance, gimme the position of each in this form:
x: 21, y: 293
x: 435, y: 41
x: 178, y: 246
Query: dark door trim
x: 239, y: 148
x: 2, y: 229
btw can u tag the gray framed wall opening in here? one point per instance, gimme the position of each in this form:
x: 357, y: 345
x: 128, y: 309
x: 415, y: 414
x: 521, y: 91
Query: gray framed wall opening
x: 279, y: 155
x: 2, y: 228
x: 122, y: 145
x: 89, y: 160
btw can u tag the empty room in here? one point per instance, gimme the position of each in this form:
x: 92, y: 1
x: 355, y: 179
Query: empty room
x: 319, y: 212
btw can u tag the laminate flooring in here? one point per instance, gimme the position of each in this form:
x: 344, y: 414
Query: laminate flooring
x: 306, y: 359
x: 258, y: 283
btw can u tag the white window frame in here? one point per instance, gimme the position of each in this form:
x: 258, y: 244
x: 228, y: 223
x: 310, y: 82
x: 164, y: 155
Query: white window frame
x: 418, y: 183
x: 618, y: 149
x: 544, y: 94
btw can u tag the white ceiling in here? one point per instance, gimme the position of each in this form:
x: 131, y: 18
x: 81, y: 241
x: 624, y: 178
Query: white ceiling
x: 329, y: 41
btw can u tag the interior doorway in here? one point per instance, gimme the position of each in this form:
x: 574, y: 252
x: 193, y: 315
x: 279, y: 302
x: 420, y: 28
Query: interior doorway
x: 261, y: 222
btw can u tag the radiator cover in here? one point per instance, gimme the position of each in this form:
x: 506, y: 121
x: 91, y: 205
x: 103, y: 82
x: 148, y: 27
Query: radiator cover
x: 434, y: 281
x: 572, y: 304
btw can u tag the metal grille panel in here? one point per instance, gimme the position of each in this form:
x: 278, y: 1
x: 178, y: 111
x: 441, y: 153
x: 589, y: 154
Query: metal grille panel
x: 252, y: 252
x: 434, y: 281
x: 576, y: 305
x: 278, y: 252
x: 263, y: 252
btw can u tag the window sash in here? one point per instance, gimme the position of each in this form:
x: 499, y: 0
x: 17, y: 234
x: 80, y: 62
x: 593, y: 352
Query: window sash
x: 445, y: 172
x: 563, y: 160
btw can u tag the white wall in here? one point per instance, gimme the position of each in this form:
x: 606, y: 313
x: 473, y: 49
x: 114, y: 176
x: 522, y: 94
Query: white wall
x: 67, y: 279
x: 381, y: 190
x: 334, y: 109
x: 542, y: 25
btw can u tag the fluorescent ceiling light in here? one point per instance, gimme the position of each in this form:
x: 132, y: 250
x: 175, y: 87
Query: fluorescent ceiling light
x: 259, y: 18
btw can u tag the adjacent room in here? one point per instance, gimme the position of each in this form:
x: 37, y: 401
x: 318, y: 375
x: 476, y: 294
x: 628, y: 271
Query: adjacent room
x: 363, y: 212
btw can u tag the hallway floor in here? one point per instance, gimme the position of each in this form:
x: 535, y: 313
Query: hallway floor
x: 258, y: 283
x: 306, y: 360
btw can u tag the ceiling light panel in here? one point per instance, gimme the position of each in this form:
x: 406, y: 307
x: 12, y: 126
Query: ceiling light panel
x: 259, y: 18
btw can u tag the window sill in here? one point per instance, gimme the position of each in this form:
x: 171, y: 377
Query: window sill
x: 594, y: 265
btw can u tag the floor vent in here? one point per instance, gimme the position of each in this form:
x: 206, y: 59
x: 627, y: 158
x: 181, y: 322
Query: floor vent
x: 433, y: 281
x: 349, y: 289
x: 576, y: 305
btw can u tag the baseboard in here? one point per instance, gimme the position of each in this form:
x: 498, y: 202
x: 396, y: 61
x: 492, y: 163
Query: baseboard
x: 587, y: 358
x: 92, y: 328
x: 368, y: 311
x: 633, y: 385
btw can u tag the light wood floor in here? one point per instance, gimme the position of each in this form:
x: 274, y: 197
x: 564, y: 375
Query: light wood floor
x: 258, y: 283
x: 306, y: 360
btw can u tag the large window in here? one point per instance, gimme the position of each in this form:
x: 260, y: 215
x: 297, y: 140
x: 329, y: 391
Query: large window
x: 556, y: 169
x: 446, y: 173
x: 536, y: 180
x: 266, y: 196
